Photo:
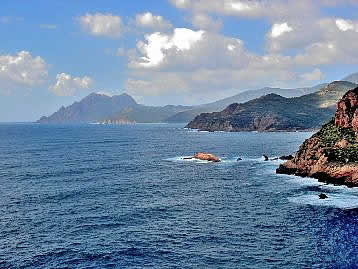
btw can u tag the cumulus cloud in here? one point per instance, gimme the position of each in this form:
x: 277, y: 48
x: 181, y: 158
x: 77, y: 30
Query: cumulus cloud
x: 250, y: 8
x: 203, y: 64
x: 181, y: 3
x: 319, y: 41
x: 319, y: 54
x: 148, y: 20
x: 22, y: 70
x: 153, y: 50
x: 66, y: 85
x: 300, y: 42
x: 279, y: 29
x: 100, y: 24
x: 316, y: 74
x: 205, y: 22
x: 346, y: 25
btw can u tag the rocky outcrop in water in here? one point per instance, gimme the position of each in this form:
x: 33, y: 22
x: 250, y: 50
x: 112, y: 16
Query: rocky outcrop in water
x: 331, y: 155
x: 205, y: 157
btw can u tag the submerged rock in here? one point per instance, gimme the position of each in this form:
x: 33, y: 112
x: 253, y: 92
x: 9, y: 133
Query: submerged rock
x: 322, y: 196
x: 266, y: 158
x: 331, y: 155
x: 206, y: 157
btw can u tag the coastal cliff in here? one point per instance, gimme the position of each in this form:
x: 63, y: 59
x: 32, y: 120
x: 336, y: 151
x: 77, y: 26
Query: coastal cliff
x: 331, y: 155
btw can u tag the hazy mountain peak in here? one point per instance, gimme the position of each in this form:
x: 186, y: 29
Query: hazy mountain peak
x: 95, y: 106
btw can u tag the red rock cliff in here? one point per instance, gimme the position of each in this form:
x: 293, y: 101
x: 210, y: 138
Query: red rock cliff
x: 331, y: 155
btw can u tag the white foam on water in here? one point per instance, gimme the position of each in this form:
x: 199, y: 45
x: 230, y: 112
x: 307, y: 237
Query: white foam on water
x: 341, y: 188
x: 307, y: 181
x: 192, y: 130
x: 268, y: 165
x: 183, y: 159
x: 335, y: 200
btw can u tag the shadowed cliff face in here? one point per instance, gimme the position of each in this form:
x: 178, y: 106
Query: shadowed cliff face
x: 331, y: 155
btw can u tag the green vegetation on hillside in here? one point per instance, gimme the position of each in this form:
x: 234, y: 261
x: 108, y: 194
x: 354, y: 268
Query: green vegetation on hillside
x: 330, y: 135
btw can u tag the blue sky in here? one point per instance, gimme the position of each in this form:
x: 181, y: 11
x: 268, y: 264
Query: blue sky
x: 167, y: 51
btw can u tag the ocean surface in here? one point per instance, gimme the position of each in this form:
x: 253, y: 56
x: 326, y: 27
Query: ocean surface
x: 97, y: 196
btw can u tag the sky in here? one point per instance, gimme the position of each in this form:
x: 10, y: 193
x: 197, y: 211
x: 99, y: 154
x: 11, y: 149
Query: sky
x: 188, y: 52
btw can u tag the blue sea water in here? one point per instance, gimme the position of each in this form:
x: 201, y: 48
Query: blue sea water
x: 95, y: 196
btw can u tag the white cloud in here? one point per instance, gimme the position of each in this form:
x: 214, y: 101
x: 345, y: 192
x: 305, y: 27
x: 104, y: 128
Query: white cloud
x: 22, y: 70
x: 200, y: 62
x: 205, y: 22
x: 299, y: 44
x: 153, y: 51
x: 319, y: 54
x: 148, y: 20
x: 181, y: 3
x: 318, y: 40
x: 212, y: 65
x: 316, y: 74
x: 293, y: 35
x: 279, y: 29
x: 100, y: 24
x: 66, y: 85
x: 241, y: 6
x: 346, y: 25
x: 274, y: 9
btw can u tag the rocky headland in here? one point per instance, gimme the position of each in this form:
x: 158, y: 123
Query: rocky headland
x: 331, y: 155
x: 276, y: 113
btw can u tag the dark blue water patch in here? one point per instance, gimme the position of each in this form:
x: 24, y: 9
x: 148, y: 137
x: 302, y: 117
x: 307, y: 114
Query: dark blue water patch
x: 92, y: 196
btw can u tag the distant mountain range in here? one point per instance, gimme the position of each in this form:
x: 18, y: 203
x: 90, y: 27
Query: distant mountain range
x: 273, y: 112
x: 119, y: 108
x: 187, y: 116
x: 90, y: 109
x: 123, y: 108
x: 146, y: 114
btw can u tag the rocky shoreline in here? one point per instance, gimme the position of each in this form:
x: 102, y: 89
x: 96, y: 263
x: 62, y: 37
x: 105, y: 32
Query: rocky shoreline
x: 331, y: 155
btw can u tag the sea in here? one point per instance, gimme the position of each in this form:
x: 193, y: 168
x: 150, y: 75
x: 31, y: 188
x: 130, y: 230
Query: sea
x: 121, y: 196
